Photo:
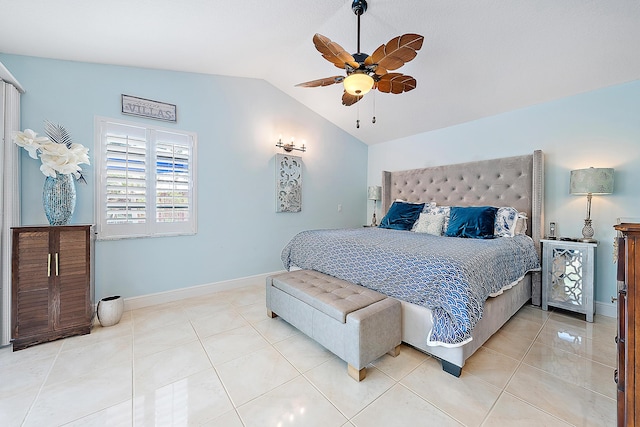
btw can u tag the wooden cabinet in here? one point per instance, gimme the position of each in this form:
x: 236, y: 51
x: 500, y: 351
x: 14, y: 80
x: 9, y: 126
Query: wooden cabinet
x: 52, y: 283
x: 628, y: 339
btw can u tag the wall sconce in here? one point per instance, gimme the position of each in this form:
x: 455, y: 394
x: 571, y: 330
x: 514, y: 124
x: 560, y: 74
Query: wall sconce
x: 590, y: 181
x: 374, y: 193
x: 290, y: 146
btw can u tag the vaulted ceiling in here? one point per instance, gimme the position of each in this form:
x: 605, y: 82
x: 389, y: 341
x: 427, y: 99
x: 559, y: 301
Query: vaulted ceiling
x: 479, y: 58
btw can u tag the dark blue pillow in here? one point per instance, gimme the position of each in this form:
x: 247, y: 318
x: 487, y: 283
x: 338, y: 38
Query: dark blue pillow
x: 475, y: 222
x: 401, y: 216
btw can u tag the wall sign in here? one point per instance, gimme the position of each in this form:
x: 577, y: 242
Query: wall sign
x: 135, y: 106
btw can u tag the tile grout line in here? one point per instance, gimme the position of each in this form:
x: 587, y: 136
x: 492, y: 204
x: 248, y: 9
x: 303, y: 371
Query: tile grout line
x: 199, y: 339
x: 269, y: 343
x: 586, y: 357
x: 44, y: 381
x: 302, y: 374
x: 438, y: 408
x: 431, y: 403
x: 308, y: 380
x: 226, y: 390
x: 377, y: 398
x: 515, y: 371
x: 272, y: 345
x: 59, y: 353
x: 133, y: 368
x: 543, y: 371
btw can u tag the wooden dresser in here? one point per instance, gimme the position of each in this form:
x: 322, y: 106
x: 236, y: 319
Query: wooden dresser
x: 52, y: 283
x: 628, y: 338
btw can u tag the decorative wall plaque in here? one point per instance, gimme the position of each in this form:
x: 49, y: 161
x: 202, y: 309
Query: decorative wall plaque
x: 288, y: 183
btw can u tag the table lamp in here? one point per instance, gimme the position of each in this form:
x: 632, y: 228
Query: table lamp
x: 374, y: 193
x: 590, y: 181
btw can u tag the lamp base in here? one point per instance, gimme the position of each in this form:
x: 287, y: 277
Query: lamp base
x: 374, y: 221
x: 587, y: 231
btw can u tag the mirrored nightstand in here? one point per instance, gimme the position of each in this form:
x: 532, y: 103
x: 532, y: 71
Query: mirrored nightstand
x: 568, y: 274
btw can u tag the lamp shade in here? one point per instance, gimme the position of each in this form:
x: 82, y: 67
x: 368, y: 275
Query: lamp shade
x: 591, y: 181
x: 374, y: 193
x: 358, y: 83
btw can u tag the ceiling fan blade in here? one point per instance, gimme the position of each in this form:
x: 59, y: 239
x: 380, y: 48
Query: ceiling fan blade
x: 333, y: 52
x: 396, y: 83
x: 322, y: 82
x: 397, y: 52
x: 348, y: 99
x: 380, y: 71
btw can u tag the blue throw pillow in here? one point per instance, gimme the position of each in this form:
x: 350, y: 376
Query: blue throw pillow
x: 475, y: 222
x: 401, y: 216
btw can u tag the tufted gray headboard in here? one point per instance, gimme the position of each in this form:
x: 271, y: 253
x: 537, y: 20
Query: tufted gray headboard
x: 510, y: 181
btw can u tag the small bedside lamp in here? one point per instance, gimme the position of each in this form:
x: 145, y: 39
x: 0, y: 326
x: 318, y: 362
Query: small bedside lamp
x: 374, y: 193
x: 590, y: 181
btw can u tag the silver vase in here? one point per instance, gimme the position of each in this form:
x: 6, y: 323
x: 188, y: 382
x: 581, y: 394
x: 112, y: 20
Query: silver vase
x: 59, y: 199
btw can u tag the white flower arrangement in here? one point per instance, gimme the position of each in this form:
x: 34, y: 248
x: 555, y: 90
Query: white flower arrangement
x: 57, y: 152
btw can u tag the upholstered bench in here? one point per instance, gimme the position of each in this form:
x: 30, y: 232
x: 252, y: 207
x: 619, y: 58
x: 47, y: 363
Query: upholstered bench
x: 356, y: 324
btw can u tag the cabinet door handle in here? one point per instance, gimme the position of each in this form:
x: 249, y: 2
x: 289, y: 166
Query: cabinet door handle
x: 57, y: 265
x: 48, y: 265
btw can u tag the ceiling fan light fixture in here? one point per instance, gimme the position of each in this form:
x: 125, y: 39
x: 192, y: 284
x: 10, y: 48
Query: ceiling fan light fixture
x: 366, y: 72
x: 358, y: 83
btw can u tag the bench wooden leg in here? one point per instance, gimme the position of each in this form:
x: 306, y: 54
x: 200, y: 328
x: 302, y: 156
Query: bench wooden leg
x: 394, y: 351
x: 271, y: 314
x: 357, y: 374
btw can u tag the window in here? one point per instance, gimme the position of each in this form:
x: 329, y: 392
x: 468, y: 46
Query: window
x: 145, y: 180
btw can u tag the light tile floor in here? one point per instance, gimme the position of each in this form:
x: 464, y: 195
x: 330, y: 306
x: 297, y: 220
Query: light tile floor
x: 219, y: 361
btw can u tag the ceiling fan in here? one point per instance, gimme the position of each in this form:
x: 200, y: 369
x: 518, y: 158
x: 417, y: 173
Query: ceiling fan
x: 366, y: 72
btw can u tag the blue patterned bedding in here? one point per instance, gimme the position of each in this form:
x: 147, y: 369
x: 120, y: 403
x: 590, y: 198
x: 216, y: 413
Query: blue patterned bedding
x: 449, y: 275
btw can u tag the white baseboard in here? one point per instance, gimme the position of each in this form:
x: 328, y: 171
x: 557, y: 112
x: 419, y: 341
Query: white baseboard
x: 141, y: 301
x: 606, y: 309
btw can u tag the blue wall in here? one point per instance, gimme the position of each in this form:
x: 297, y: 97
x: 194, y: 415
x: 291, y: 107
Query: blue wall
x: 599, y: 128
x: 238, y: 121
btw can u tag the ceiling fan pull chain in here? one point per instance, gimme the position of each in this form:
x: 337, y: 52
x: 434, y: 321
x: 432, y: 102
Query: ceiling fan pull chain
x: 358, y: 116
x: 373, y: 120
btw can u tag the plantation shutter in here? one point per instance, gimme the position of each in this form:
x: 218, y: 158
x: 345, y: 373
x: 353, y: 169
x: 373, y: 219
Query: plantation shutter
x: 126, y: 172
x: 147, y: 181
x: 173, y: 171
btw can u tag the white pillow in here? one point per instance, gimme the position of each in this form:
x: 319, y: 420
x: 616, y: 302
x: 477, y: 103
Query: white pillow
x: 521, y: 224
x: 505, y: 225
x: 430, y: 224
x: 426, y: 209
x: 439, y: 210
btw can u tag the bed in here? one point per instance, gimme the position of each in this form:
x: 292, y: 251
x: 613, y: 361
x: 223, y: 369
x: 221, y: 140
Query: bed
x: 506, y: 182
